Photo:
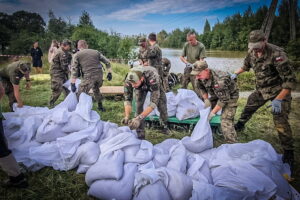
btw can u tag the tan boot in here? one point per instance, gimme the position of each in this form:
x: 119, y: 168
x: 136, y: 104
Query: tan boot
x: 10, y: 165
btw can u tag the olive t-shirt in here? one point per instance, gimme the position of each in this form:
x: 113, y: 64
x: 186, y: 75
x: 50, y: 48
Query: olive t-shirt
x: 193, y: 53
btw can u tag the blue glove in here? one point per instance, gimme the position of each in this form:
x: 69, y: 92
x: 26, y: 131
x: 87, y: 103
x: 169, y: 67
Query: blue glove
x: 233, y: 76
x: 276, y: 106
x: 73, y: 87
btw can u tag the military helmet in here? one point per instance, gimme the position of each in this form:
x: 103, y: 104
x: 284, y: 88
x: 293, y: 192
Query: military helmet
x: 255, y: 39
x: 135, y: 74
x: 198, y: 67
x: 24, y: 67
x: 66, y: 42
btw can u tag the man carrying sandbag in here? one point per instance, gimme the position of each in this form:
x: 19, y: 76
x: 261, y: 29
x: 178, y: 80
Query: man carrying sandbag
x: 7, y: 161
x: 142, y: 80
x: 223, y: 93
x: 87, y: 64
x: 11, y: 76
x: 59, y: 71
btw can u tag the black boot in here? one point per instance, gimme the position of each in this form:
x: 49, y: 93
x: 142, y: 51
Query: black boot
x: 100, y: 107
x: 165, y: 130
x: 18, y: 182
x: 239, y: 126
x: 288, y: 157
x: 141, y: 135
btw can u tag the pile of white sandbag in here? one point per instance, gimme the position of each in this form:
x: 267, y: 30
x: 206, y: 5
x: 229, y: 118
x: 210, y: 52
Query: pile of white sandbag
x: 120, y: 166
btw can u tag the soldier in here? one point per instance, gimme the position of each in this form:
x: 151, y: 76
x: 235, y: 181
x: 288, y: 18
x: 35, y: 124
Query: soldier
x: 143, y: 49
x: 166, y: 66
x: 144, y: 80
x: 11, y: 76
x: 59, y: 71
x: 274, y: 82
x: 193, y: 51
x: 223, y: 93
x: 8, y: 162
x: 88, y: 62
x: 154, y: 54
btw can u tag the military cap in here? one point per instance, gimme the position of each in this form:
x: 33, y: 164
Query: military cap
x: 198, y: 67
x: 66, y: 42
x: 142, y: 40
x: 255, y: 38
x: 24, y: 67
x: 135, y: 74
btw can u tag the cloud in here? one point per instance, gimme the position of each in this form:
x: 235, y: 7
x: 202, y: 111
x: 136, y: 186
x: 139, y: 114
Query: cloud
x: 138, y: 11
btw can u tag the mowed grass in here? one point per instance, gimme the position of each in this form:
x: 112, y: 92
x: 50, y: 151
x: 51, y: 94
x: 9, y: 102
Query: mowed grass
x: 51, y: 184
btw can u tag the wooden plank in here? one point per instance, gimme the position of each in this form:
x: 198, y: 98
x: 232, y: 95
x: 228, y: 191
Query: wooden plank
x: 112, y: 90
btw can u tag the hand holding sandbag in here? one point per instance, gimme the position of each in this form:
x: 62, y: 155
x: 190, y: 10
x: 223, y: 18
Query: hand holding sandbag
x: 125, y: 121
x: 135, y: 123
x: 210, y: 116
x: 207, y: 103
x: 276, y: 106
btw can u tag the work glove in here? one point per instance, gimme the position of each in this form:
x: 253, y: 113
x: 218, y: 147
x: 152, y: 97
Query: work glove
x: 276, y: 106
x: 125, y: 120
x: 233, y: 76
x: 210, y: 116
x: 135, y: 123
x: 28, y: 85
x: 207, y: 103
x: 109, y: 76
x: 73, y: 87
x: 188, y: 68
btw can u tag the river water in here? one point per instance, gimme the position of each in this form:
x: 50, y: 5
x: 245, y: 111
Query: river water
x: 219, y: 60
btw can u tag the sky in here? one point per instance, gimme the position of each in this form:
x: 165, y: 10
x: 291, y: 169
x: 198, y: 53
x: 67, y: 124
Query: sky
x: 132, y: 17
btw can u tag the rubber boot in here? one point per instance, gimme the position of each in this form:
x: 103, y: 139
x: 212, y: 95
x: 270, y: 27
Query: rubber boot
x: 288, y: 157
x: 239, y: 126
x: 100, y: 107
x: 165, y: 129
x: 141, y: 135
x: 19, y: 181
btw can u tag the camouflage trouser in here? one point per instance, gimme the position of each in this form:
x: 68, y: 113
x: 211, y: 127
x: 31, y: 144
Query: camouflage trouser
x: 161, y: 106
x: 57, y: 87
x: 187, y: 78
x: 9, y: 91
x: 255, y: 101
x: 166, y: 84
x: 94, y: 82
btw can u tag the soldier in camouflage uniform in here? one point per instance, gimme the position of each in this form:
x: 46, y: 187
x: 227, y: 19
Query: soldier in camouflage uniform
x: 223, y: 93
x: 166, y: 66
x: 141, y: 80
x: 88, y: 63
x: 11, y: 76
x: 142, y: 56
x: 274, y: 82
x: 154, y: 55
x: 193, y: 51
x: 59, y: 71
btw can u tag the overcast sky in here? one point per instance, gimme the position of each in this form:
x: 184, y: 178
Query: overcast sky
x: 137, y: 16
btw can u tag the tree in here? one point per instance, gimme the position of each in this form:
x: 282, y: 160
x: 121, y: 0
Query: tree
x: 267, y: 24
x: 85, y: 19
x: 292, y: 7
x: 161, y: 37
x: 206, y: 27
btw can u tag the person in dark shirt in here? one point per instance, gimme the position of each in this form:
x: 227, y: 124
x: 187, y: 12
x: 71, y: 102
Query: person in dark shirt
x: 37, y: 54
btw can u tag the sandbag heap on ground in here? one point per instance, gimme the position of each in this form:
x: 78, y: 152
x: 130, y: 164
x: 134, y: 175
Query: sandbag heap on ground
x: 120, y: 166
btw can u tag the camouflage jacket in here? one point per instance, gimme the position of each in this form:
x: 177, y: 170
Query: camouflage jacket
x: 151, y: 84
x: 88, y: 62
x: 219, y: 86
x: 12, y: 73
x: 142, y: 53
x: 60, y: 63
x: 154, y: 56
x: 273, y: 71
x: 166, y: 68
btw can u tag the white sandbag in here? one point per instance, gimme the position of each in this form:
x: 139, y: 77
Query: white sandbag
x: 59, y: 116
x: 82, y: 168
x: 160, y: 158
x: 156, y: 191
x: 84, y: 108
x: 49, y: 131
x: 112, y: 189
x: 204, y: 191
x: 199, y: 169
x: 147, y: 103
x: 75, y: 123
x: 201, y: 138
x: 178, y: 184
x: 69, y: 103
x: 108, y: 166
x: 109, y: 130
x: 87, y: 154
x: 244, y: 177
x: 27, y: 111
x: 67, y: 84
x: 143, y: 154
x: 184, y: 95
x: 171, y: 105
x: 167, y: 144
x: 177, y: 158
x: 186, y: 110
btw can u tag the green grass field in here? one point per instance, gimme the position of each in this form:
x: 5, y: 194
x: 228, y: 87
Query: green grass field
x: 50, y: 184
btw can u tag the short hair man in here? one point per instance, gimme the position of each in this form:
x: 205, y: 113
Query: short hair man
x: 154, y: 54
x: 193, y: 51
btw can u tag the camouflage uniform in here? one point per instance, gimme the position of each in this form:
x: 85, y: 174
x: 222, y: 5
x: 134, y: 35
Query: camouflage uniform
x: 192, y: 54
x: 223, y: 92
x: 11, y: 75
x: 59, y: 73
x: 88, y: 62
x: 154, y: 56
x: 273, y: 73
x: 142, y: 55
x: 166, y: 66
x: 152, y: 83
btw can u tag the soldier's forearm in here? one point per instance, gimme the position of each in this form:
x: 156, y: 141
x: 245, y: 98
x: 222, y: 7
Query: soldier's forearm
x: 128, y: 109
x: 183, y: 59
x: 17, y: 94
x: 283, y: 94
x: 239, y: 71
x: 216, y: 109
x: 147, y: 111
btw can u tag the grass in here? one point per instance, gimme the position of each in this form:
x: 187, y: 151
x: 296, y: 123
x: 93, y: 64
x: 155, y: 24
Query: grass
x: 50, y: 184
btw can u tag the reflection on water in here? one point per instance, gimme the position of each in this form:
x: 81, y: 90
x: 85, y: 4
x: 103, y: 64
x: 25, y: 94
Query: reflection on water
x: 219, y: 60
